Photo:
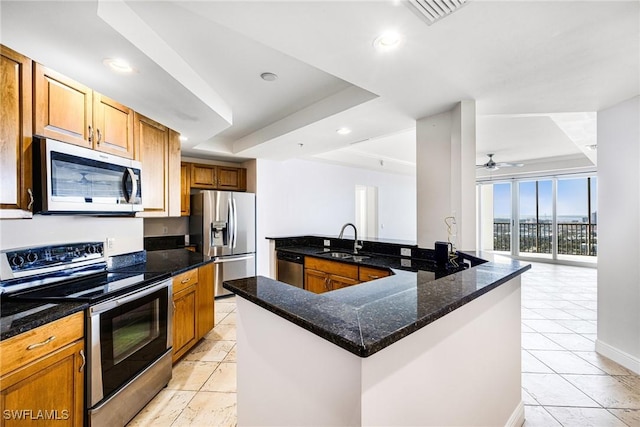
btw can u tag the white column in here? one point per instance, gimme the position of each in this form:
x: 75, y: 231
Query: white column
x: 445, y: 158
x: 486, y: 217
x: 618, y: 249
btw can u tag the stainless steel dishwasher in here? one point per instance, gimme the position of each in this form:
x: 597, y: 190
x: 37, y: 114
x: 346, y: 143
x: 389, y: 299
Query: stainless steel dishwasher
x: 290, y: 269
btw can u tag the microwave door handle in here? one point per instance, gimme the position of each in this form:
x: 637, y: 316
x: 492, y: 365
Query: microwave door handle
x: 134, y: 186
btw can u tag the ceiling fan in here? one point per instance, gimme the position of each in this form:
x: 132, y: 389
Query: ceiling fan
x: 492, y: 165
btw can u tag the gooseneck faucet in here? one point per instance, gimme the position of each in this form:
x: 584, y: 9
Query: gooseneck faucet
x: 356, y: 246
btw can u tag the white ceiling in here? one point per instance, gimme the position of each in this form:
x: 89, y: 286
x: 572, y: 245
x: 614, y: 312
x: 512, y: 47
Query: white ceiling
x: 538, y: 70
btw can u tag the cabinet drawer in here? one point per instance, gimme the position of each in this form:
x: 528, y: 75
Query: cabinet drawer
x: 332, y: 267
x: 36, y: 343
x: 370, y: 273
x: 184, y: 280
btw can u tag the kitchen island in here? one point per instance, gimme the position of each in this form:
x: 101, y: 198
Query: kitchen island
x: 408, y: 349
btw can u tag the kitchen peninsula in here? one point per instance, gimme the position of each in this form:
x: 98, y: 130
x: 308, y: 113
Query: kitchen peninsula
x: 407, y: 349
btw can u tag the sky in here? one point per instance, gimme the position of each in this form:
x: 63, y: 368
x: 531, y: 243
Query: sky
x: 572, y: 198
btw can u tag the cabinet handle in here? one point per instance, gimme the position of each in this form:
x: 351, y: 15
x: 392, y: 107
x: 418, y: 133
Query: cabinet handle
x: 84, y: 361
x: 40, y: 344
x: 90, y: 133
x: 174, y: 305
x: 98, y: 136
x: 373, y: 277
x: 30, y: 205
x: 183, y: 281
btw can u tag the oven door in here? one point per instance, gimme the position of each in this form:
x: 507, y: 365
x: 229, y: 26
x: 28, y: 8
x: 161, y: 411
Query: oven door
x: 126, y: 335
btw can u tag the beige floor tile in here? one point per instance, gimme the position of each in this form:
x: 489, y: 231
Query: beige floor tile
x: 164, y: 409
x: 572, y: 341
x: 530, y: 314
x: 525, y: 329
x: 552, y: 326
x: 223, y: 379
x: 231, y: 356
x: 222, y: 332
x: 224, y: 307
x: 209, y: 409
x: 210, y: 351
x: 583, y: 314
x: 607, y: 365
x: 527, y: 399
x: 608, y: 391
x: 531, y: 364
x: 219, y: 317
x: 565, y: 362
x: 191, y: 375
x: 632, y: 380
x: 579, y: 326
x: 585, y: 417
x: 538, y: 341
x: 537, y: 416
x: 553, y: 313
x: 229, y: 319
x: 630, y: 417
x: 552, y: 389
x: 591, y: 337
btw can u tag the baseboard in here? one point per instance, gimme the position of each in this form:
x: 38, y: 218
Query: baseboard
x: 620, y: 357
x: 517, y: 417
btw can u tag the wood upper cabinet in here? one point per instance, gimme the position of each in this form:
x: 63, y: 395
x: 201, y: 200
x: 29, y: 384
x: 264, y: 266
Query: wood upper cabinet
x: 15, y: 133
x: 203, y: 176
x: 217, y: 177
x: 158, y: 149
x: 112, y: 126
x: 185, y: 189
x: 71, y: 112
x: 43, y: 370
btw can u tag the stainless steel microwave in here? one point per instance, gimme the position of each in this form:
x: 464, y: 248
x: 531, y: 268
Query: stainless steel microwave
x: 71, y: 179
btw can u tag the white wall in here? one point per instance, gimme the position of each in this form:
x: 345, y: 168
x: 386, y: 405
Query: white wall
x: 59, y: 229
x: 619, y: 233
x: 445, y: 158
x: 299, y: 197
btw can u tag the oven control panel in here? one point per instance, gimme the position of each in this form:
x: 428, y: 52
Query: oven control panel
x: 41, y: 259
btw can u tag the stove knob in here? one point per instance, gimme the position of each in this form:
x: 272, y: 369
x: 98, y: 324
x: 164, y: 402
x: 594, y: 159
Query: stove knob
x: 99, y: 249
x: 89, y: 249
x: 32, y: 256
x: 17, y: 261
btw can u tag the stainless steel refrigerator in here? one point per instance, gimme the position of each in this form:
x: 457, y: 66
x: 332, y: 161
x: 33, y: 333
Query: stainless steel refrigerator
x: 222, y: 225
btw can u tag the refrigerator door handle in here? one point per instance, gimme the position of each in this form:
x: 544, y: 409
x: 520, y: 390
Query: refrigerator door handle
x: 232, y: 259
x: 235, y: 221
x: 231, y: 223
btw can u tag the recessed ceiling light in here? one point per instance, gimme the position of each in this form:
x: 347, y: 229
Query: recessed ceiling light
x: 269, y: 77
x: 183, y: 138
x: 387, y: 41
x: 344, y: 131
x: 119, y: 65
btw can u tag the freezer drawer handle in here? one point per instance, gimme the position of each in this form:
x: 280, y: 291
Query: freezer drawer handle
x: 242, y: 258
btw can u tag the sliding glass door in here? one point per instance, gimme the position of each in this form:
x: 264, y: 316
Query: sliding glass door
x: 535, y: 218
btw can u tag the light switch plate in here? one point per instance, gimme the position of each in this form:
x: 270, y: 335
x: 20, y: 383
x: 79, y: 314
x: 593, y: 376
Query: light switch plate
x: 327, y: 242
x: 405, y: 251
x: 405, y: 262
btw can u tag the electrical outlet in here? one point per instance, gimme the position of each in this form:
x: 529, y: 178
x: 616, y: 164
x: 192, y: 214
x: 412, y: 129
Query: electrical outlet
x: 405, y: 251
x: 327, y: 242
x: 165, y: 230
x: 405, y: 262
x: 110, y: 242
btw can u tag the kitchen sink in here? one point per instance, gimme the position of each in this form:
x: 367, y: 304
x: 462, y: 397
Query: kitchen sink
x: 345, y: 255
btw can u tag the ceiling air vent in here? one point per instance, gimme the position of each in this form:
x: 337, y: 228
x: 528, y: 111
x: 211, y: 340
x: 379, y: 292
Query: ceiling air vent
x: 435, y: 10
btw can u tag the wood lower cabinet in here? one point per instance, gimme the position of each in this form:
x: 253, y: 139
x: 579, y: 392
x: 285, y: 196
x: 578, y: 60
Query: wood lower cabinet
x: 193, y: 308
x: 42, y: 375
x: 321, y: 275
x: 15, y: 134
x: 158, y: 148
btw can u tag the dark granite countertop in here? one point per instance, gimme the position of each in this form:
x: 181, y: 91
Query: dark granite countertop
x: 368, y: 317
x: 19, y: 316
x: 172, y: 261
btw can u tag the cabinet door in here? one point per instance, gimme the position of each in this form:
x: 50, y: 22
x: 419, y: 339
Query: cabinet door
x: 369, y: 273
x: 53, y: 384
x: 112, y: 126
x: 185, y: 189
x: 339, y: 282
x: 316, y: 281
x: 203, y: 176
x: 151, y: 148
x: 232, y: 179
x: 15, y: 132
x: 62, y: 108
x: 205, y: 300
x: 173, y: 172
x: 184, y: 321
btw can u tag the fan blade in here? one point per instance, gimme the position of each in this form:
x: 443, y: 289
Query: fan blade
x: 510, y: 165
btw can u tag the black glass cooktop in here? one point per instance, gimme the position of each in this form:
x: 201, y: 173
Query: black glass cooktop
x: 90, y: 288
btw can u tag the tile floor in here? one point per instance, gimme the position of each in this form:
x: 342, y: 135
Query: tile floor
x: 564, y: 381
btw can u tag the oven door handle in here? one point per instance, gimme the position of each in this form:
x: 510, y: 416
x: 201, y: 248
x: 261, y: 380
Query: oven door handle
x: 139, y: 293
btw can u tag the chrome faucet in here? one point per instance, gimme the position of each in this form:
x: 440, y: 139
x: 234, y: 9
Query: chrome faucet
x: 356, y: 246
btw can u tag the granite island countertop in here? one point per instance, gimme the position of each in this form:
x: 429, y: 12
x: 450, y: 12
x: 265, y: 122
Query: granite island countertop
x: 368, y: 317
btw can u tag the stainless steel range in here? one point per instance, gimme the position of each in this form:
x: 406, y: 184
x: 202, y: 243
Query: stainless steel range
x: 128, y: 323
